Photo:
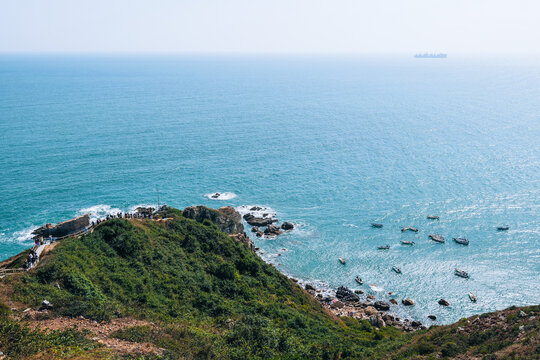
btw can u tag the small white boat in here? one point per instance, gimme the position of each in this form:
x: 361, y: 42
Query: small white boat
x: 472, y: 297
x: 396, y: 269
x: 342, y: 260
x: 409, y: 228
x: 461, y: 273
x: 405, y: 242
x: 359, y: 280
x: 433, y: 217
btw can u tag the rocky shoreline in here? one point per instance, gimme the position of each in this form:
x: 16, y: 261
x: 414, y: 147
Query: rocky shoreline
x: 344, y: 301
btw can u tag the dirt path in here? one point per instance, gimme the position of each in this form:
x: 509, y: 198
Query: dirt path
x: 101, y: 332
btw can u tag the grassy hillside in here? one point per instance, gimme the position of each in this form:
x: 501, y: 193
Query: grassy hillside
x: 202, y: 295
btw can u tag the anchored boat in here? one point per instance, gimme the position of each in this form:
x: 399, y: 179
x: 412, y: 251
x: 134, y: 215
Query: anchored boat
x: 409, y: 228
x: 359, y: 280
x: 396, y: 269
x: 405, y: 242
x: 461, y: 241
x: 433, y: 217
x: 383, y: 247
x: 461, y: 273
x: 342, y: 260
x: 437, y: 238
x: 503, y: 228
x: 472, y: 297
x: 376, y: 225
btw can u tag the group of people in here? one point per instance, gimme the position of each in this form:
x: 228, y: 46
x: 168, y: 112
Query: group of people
x: 137, y: 215
x: 32, y: 259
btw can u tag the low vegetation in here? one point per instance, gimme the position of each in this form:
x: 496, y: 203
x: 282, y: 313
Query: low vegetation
x: 206, y: 295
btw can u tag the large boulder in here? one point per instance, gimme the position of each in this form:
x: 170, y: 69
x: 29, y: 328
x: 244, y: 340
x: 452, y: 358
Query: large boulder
x: 444, y: 302
x: 382, y: 306
x: 272, y: 230
x: 258, y: 221
x: 226, y: 218
x: 407, y: 302
x: 287, y: 226
x: 345, y: 294
x: 64, y: 228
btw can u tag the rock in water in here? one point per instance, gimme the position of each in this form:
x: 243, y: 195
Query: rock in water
x: 272, y: 230
x: 287, y: 226
x: 432, y: 317
x: 345, y: 294
x: 226, y: 218
x: 258, y: 221
x: 382, y: 306
x: 407, y: 302
x: 310, y: 287
x: 254, y: 229
x: 444, y: 302
x: 393, y: 301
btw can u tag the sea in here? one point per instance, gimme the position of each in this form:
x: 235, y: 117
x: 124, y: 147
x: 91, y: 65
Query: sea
x: 329, y: 143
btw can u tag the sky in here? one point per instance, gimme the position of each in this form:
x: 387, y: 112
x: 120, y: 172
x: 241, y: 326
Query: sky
x: 271, y: 26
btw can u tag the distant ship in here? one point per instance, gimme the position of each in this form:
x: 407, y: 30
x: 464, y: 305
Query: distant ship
x: 429, y: 56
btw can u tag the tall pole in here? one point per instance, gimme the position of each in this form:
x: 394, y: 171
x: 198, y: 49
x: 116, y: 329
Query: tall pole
x: 157, y: 190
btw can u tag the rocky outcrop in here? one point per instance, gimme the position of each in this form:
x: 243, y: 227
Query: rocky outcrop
x: 226, y: 218
x: 146, y: 211
x: 287, y: 226
x: 272, y: 230
x: 258, y: 221
x: 345, y: 294
x: 64, y: 228
x: 407, y: 302
x: 444, y: 302
x: 381, y: 306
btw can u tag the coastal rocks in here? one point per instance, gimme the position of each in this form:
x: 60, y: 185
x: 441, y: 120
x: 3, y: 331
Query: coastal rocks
x: 377, y: 321
x: 382, y: 306
x: 432, y: 317
x: 370, y: 311
x: 393, y: 301
x: 371, y: 297
x: 64, y: 228
x: 258, y: 221
x: 345, y: 294
x: 337, y: 304
x: 272, y: 230
x: 244, y: 239
x: 444, y: 302
x: 359, y: 292
x: 310, y: 287
x: 416, y: 324
x: 255, y: 229
x: 407, y: 302
x: 259, y: 233
x: 287, y: 226
x: 226, y: 218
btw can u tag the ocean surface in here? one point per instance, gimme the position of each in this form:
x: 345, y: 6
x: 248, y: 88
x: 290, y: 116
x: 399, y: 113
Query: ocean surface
x: 328, y: 143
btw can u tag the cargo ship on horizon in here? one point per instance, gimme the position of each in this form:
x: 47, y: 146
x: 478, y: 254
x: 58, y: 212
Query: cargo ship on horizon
x: 431, y: 56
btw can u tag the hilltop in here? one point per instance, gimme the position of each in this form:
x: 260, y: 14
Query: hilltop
x: 183, y: 288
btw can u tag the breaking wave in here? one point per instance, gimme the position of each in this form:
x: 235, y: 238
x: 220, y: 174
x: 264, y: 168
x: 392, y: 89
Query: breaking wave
x: 221, y: 196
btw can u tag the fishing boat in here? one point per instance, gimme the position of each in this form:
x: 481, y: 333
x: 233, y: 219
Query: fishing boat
x: 461, y: 241
x: 472, y: 297
x: 376, y: 225
x: 359, y: 280
x: 461, y: 273
x: 405, y: 242
x: 433, y: 217
x: 342, y: 260
x: 409, y: 228
x: 503, y: 228
x: 383, y: 247
x: 437, y: 238
x: 396, y: 269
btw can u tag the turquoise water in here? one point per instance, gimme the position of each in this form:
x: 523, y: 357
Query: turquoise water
x: 330, y: 144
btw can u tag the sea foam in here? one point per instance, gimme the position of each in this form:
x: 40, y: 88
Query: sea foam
x: 222, y: 196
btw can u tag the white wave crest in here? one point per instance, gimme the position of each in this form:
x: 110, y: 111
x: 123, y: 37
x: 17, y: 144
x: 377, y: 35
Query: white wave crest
x: 24, y: 235
x: 221, y: 196
x: 99, y: 211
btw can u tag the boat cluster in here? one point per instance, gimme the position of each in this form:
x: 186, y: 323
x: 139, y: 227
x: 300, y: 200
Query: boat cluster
x: 434, y: 237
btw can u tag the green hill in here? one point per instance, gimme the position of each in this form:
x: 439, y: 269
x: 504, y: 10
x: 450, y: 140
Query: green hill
x: 198, y: 293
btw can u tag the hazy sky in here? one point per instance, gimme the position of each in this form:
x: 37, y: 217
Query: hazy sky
x: 332, y: 26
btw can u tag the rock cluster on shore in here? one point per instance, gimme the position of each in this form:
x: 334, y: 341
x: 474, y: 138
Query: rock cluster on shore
x: 257, y: 222
x: 348, y: 303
